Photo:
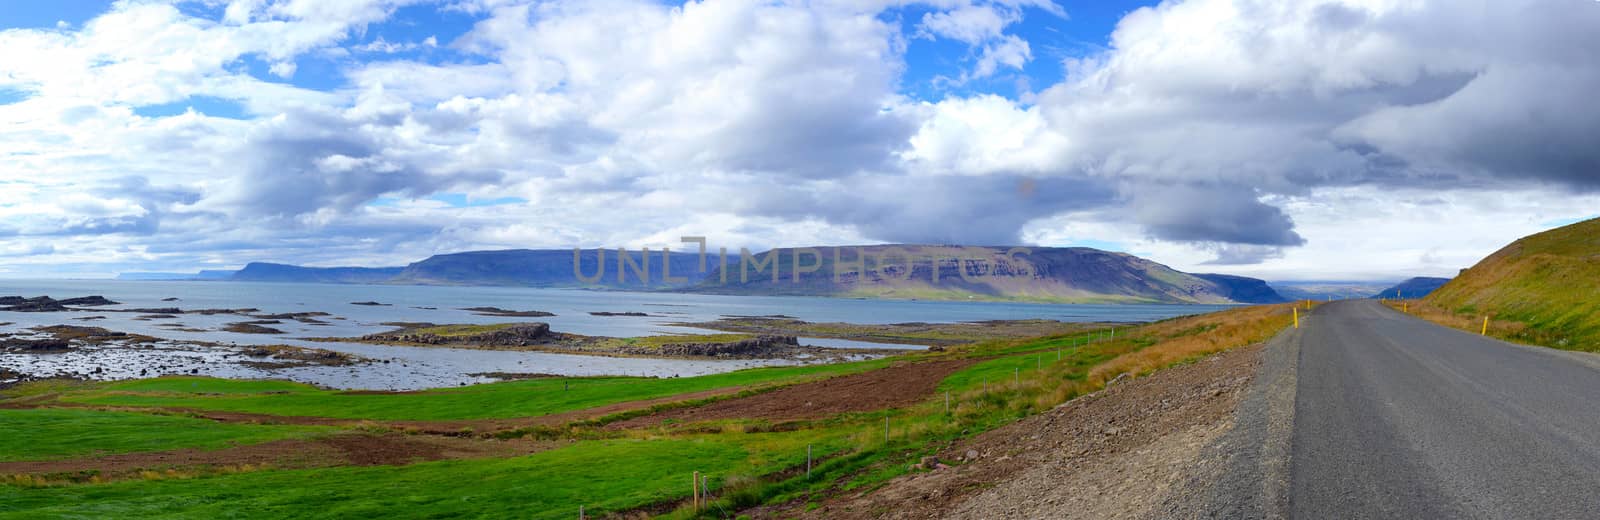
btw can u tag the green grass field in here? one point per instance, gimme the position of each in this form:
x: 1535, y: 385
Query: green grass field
x: 529, y: 398
x: 600, y: 475
x: 57, y: 433
x: 748, y: 461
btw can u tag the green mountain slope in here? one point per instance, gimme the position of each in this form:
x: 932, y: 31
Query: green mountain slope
x: 1549, y: 282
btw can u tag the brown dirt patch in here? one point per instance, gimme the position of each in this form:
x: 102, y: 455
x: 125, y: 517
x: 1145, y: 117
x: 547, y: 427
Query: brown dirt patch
x: 448, y: 427
x: 896, y: 386
x: 1108, y: 454
x: 490, y: 425
x: 359, y: 449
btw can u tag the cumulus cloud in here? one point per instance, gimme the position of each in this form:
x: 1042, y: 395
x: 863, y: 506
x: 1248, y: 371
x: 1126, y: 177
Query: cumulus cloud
x: 1204, y: 131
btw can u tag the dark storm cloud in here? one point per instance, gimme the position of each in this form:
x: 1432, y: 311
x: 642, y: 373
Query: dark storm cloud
x: 1199, y: 122
x: 949, y: 209
x: 309, y: 160
x: 1229, y: 214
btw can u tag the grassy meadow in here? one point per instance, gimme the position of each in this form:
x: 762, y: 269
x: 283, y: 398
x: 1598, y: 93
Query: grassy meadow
x: 746, y: 461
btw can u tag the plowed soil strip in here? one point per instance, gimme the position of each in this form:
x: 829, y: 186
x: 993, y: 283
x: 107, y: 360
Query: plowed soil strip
x: 432, y: 427
x: 336, y: 450
x: 892, y: 387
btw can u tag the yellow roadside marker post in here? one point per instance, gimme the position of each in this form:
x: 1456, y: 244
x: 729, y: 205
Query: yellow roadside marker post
x: 1485, y: 326
x: 1297, y: 317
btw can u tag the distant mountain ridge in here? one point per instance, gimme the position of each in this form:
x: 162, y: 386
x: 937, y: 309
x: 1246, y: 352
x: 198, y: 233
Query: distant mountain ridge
x: 1042, y: 274
x: 554, y: 268
x: 202, y: 275
x: 269, y: 272
x: 1413, y: 288
x: 1073, y: 274
x: 1324, y: 290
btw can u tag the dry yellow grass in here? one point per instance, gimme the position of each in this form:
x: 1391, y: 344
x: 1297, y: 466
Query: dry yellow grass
x: 1503, y: 329
x: 1139, y: 351
x: 1186, y: 339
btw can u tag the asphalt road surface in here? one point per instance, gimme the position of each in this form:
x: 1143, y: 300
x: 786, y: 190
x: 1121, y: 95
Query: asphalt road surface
x: 1395, y: 417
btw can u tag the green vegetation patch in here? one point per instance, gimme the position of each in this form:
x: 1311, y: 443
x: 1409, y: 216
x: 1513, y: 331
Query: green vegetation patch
x: 1547, y: 282
x: 528, y: 398
x: 59, y: 433
x: 602, y: 476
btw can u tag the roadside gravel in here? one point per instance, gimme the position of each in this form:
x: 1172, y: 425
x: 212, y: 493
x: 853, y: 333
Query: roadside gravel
x: 1117, y: 453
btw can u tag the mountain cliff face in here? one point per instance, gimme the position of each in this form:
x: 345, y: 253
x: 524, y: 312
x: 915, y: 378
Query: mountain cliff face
x: 554, y: 268
x: 1414, y: 288
x: 1076, y: 274
x: 267, y: 272
x: 1245, y: 289
x: 977, y: 273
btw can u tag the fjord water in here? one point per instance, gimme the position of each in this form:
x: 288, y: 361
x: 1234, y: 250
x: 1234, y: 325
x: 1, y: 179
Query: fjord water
x: 426, y: 367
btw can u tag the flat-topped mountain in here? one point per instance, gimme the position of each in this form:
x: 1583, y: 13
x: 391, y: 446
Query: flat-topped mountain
x: 1041, y: 274
x: 269, y: 272
x: 554, y: 268
x: 1073, y: 274
x: 1413, y: 288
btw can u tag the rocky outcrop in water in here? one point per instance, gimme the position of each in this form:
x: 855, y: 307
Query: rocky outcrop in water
x: 35, y: 346
x: 88, y: 301
x: 40, y: 304
x: 759, y: 346
x: 496, y: 311
x: 253, y: 327
x: 48, y: 304
x: 522, y: 335
x: 158, y: 310
x: 295, y: 356
x: 72, y: 332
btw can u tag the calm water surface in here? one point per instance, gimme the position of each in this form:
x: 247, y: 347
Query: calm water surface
x: 411, y: 368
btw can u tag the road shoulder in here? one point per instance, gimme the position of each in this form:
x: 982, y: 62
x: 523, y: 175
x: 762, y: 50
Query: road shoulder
x: 1245, y: 473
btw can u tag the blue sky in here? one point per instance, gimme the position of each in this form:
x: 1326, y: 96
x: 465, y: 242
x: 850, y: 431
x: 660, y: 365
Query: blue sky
x: 1083, y: 32
x: 1265, y: 139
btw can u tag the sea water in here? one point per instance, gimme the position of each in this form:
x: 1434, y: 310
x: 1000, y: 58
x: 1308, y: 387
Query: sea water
x: 415, y: 367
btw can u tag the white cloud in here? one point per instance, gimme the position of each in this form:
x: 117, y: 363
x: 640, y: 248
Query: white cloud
x: 1232, y: 130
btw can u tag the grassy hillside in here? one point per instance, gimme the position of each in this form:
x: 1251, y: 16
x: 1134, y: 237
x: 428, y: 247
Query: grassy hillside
x: 1549, y: 283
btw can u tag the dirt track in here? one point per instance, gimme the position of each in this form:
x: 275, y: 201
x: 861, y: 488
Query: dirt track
x: 892, y: 387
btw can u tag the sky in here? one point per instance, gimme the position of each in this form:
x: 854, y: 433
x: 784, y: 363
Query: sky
x: 1281, y: 139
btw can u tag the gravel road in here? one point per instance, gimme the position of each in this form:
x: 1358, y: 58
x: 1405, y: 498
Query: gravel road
x: 1396, y: 417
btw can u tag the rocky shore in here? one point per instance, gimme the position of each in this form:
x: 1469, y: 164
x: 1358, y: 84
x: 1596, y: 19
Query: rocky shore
x: 94, y: 353
x: 503, y: 313
x: 519, y: 335
x: 757, y: 347
x: 537, y: 336
x: 48, y: 304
